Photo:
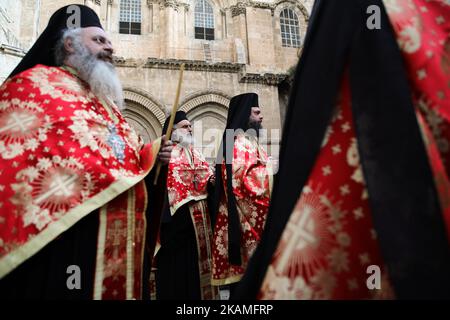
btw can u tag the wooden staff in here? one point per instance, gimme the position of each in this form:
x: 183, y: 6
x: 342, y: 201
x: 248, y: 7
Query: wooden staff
x: 172, y: 118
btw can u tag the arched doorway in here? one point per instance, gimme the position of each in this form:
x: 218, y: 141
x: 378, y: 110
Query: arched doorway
x: 143, y: 113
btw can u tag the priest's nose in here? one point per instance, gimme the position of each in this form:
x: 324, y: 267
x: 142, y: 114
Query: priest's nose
x: 108, y: 48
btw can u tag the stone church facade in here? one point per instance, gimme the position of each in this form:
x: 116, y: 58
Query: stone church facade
x: 228, y: 47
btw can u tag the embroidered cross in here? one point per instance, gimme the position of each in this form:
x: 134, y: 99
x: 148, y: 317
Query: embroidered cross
x: 117, y: 232
x: 301, y: 231
x: 62, y: 185
x: 18, y: 122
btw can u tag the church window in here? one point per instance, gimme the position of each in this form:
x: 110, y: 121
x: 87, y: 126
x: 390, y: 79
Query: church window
x: 204, y: 20
x: 290, y: 34
x: 130, y: 17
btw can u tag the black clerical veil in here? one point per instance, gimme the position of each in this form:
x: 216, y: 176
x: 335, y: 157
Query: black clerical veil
x: 179, y: 116
x: 43, y: 50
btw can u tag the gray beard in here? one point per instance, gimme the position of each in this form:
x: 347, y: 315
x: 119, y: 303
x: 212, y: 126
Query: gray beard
x: 100, y: 75
x: 185, y: 140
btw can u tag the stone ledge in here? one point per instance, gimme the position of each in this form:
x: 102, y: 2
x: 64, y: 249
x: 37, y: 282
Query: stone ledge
x: 240, y: 7
x: 272, y: 79
x: 195, y: 65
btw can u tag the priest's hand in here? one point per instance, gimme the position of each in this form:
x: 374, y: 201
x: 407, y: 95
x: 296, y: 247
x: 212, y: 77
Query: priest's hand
x: 274, y: 165
x: 212, y: 179
x: 165, y: 151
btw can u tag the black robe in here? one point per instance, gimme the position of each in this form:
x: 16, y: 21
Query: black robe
x: 177, y: 274
x: 44, y: 275
x: 402, y: 195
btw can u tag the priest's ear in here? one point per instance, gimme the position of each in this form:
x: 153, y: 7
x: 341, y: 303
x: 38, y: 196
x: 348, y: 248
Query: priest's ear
x: 68, y: 45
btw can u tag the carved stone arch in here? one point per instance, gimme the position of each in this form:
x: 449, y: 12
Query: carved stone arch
x: 198, y: 98
x: 218, y: 112
x: 215, y: 3
x: 144, y: 113
x: 297, y: 6
x: 147, y: 100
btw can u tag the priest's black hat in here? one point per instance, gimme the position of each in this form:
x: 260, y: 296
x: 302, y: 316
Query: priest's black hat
x: 42, y: 52
x: 240, y: 109
x: 179, y: 116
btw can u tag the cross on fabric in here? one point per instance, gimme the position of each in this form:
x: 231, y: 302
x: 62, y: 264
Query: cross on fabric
x: 62, y: 185
x: 18, y: 121
x: 301, y: 235
x: 116, y: 233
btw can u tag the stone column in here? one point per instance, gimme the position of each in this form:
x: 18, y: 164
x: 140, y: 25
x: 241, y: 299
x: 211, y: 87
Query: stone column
x: 170, y: 10
x: 150, y: 15
x: 239, y: 17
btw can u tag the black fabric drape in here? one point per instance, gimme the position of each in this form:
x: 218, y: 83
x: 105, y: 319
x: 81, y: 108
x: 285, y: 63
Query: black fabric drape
x: 402, y: 194
x: 44, y: 275
x: 156, y: 204
x: 177, y: 275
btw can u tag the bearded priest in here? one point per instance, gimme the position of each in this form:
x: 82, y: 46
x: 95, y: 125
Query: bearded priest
x: 183, y: 260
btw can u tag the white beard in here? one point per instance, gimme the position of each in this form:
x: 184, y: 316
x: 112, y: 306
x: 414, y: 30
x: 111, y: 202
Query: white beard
x: 185, y: 139
x: 100, y: 75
